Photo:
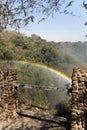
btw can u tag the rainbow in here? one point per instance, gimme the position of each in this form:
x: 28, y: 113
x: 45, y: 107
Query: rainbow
x: 57, y: 72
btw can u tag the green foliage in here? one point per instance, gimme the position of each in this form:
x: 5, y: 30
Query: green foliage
x: 38, y: 97
x: 64, y: 108
x: 61, y: 56
x: 25, y: 11
x: 34, y: 75
x: 35, y: 96
x: 23, y: 95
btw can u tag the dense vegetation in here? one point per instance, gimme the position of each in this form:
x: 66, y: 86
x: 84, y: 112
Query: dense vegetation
x: 61, y: 56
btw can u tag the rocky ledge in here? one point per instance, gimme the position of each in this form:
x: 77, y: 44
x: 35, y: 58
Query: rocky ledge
x: 35, y: 120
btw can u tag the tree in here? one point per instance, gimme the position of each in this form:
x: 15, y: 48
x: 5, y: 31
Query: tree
x: 21, y: 12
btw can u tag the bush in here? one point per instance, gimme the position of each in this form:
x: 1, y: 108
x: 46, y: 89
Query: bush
x: 39, y: 98
x: 32, y: 97
x: 64, y: 110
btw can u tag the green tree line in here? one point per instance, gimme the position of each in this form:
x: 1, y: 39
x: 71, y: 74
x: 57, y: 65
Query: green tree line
x: 16, y: 46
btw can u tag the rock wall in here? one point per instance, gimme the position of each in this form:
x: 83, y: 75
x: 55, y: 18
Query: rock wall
x: 79, y: 100
x: 8, y: 95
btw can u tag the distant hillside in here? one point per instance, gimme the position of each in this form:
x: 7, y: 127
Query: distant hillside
x: 61, y: 56
x: 77, y: 50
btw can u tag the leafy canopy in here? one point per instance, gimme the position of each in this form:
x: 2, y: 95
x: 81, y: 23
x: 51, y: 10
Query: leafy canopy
x: 20, y: 12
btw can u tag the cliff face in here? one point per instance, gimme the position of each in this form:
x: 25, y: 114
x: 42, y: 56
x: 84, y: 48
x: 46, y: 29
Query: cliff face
x: 20, y: 124
x: 8, y: 96
x: 34, y: 118
x: 34, y: 123
x: 79, y: 99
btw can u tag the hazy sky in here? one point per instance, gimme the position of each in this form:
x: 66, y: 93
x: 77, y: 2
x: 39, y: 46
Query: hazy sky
x: 62, y: 27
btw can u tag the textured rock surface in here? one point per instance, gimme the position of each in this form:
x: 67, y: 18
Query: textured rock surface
x: 79, y: 99
x: 29, y: 124
x: 8, y: 96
